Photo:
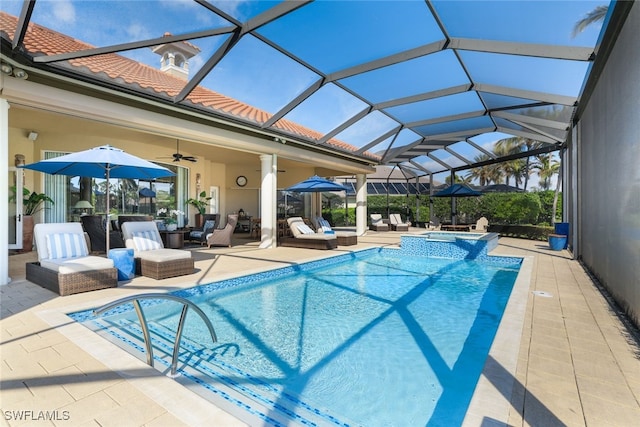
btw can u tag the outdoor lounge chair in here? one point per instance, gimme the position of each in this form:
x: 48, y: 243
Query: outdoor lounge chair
x: 433, y: 225
x: 305, y: 237
x: 481, y: 225
x: 151, y: 257
x: 94, y: 226
x: 345, y: 238
x: 211, y: 221
x: 377, y: 223
x: 64, y: 265
x: 222, y: 236
x: 397, y: 224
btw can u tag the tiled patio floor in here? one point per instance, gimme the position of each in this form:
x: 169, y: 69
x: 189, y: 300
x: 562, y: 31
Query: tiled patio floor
x: 577, y: 363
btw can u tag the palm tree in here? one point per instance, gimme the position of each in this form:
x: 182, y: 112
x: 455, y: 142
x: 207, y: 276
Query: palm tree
x: 596, y: 15
x: 506, y: 147
x: 546, y: 168
x: 482, y: 173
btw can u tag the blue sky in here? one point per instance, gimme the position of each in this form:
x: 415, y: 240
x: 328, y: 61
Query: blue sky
x: 345, y: 34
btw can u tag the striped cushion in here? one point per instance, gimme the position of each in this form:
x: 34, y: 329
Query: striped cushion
x: 305, y: 229
x: 66, y: 245
x: 146, y: 241
x: 324, y: 224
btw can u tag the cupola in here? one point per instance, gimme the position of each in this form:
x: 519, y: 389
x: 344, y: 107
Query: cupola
x: 175, y: 57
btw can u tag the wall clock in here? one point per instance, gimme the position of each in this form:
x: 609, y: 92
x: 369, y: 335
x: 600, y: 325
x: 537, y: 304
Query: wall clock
x: 241, y: 181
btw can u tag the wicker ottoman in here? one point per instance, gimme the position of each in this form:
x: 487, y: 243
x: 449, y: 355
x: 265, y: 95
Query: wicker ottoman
x: 71, y: 283
x: 165, y: 269
x: 347, y: 239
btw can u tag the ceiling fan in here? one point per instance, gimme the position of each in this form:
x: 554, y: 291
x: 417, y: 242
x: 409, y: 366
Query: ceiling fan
x: 178, y: 157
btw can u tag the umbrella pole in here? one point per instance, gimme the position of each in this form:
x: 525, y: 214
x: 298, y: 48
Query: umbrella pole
x: 108, y: 219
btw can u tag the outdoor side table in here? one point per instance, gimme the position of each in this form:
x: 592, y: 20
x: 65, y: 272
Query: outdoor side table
x: 123, y: 261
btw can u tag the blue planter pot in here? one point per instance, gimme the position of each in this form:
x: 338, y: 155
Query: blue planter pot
x: 557, y: 242
x: 562, y: 228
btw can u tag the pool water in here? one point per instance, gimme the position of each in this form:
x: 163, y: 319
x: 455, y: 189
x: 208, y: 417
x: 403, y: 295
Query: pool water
x: 380, y: 340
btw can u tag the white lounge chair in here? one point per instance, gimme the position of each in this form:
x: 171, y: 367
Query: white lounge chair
x: 397, y: 224
x: 64, y: 265
x: 305, y: 237
x: 377, y: 223
x: 152, y: 258
x: 345, y: 238
x: 481, y: 225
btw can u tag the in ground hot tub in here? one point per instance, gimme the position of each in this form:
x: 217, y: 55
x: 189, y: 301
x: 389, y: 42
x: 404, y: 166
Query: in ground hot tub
x: 450, y: 244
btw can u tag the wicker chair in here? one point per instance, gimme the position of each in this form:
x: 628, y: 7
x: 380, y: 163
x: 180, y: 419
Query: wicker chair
x: 152, y: 258
x: 211, y: 221
x: 377, y: 223
x: 93, y: 225
x: 64, y: 265
x: 222, y: 237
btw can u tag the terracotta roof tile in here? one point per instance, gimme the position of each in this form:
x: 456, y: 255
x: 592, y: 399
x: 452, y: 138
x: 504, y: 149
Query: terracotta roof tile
x: 43, y: 41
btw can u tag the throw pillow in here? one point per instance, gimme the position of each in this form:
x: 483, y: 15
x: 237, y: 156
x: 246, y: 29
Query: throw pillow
x: 305, y: 229
x: 146, y: 241
x: 66, y: 245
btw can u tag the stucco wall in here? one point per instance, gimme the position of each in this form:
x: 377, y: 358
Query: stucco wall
x: 609, y: 165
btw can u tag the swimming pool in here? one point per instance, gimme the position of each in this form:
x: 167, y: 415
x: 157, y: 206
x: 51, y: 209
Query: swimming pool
x: 409, y: 354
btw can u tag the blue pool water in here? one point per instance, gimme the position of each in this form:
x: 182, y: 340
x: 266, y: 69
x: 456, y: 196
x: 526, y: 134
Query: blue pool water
x: 375, y: 339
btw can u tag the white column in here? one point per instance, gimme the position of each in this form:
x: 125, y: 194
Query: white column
x: 268, y: 213
x: 361, y: 204
x: 4, y: 183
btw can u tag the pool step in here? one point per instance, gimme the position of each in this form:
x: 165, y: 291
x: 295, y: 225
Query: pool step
x: 227, y: 382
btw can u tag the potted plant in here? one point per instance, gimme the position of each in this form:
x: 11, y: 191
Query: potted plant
x: 200, y: 203
x: 32, y: 203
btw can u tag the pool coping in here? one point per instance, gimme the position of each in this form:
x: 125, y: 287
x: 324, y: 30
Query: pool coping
x: 491, y: 398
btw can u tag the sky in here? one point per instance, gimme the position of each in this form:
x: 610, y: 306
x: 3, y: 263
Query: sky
x: 345, y: 34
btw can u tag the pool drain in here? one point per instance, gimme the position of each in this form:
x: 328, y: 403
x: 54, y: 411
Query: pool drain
x: 542, y: 294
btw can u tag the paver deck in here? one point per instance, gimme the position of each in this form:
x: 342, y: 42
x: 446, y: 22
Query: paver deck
x: 578, y: 363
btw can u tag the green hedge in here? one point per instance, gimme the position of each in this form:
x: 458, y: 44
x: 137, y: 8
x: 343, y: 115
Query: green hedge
x: 531, y: 210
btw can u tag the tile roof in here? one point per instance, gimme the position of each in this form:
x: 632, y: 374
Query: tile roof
x: 40, y: 40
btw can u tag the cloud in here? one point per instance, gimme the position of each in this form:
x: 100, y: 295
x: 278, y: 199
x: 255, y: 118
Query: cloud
x: 64, y: 11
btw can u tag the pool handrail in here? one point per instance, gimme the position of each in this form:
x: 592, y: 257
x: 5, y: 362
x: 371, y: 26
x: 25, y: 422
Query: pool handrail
x: 145, y: 329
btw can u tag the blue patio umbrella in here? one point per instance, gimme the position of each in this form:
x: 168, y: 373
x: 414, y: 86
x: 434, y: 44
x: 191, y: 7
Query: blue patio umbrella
x: 147, y: 192
x: 316, y: 184
x: 101, y: 162
x: 457, y: 190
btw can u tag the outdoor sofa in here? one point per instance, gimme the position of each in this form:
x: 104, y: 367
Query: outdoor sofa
x: 151, y: 257
x: 64, y: 265
x: 305, y: 237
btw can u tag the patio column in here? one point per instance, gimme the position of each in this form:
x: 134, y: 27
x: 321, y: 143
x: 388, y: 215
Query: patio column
x: 4, y: 183
x: 361, y: 204
x: 268, y: 192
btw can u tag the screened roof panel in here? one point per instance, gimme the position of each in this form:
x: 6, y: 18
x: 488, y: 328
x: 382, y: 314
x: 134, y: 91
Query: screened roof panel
x: 545, y: 75
x: 473, y: 125
x: 350, y: 75
x: 105, y: 23
x: 241, y: 75
x: 367, y: 129
x: 335, y: 35
x: 430, y: 109
x: 326, y: 109
x: 539, y: 22
x: 404, y: 79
